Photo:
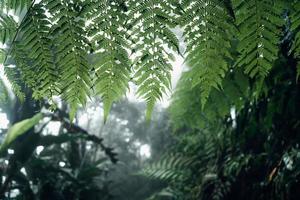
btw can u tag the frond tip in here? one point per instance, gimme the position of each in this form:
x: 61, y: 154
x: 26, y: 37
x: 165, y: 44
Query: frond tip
x: 153, y: 41
x: 259, y: 24
x: 207, y: 32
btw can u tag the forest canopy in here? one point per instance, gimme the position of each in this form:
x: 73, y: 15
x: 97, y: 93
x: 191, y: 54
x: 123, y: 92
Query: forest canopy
x: 79, y: 49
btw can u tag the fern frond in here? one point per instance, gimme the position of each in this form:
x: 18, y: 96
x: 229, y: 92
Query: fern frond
x: 8, y: 27
x: 15, y: 5
x: 207, y: 31
x: 112, y: 64
x: 13, y: 74
x: 35, y: 40
x: 71, y: 53
x: 23, y: 68
x: 295, y: 27
x: 259, y: 23
x: 3, y: 93
x: 170, y: 168
x: 2, y: 56
x: 154, y: 44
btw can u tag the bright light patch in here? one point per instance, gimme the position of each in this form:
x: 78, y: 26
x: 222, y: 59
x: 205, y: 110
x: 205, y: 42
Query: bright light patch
x: 62, y: 164
x: 232, y: 113
x: 233, y: 117
x: 23, y: 170
x: 39, y: 149
x: 10, y: 151
x: 3, y: 121
x: 53, y: 128
x: 14, y: 193
x: 145, y: 151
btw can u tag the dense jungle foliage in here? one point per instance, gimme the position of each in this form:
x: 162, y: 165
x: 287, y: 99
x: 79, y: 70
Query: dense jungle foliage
x: 231, y: 131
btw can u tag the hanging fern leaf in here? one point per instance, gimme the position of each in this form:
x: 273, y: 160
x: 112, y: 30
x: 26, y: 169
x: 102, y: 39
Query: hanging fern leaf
x: 13, y: 74
x: 8, y: 27
x: 23, y: 67
x: 35, y: 40
x: 4, y: 96
x: 153, y: 42
x: 112, y: 64
x: 52, y: 42
x: 71, y: 52
x: 260, y: 25
x: 295, y: 20
x: 207, y: 32
x: 15, y: 5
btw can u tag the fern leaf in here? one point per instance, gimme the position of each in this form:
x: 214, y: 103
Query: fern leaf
x: 15, y: 5
x: 8, y: 27
x: 13, y: 74
x: 153, y: 41
x: 295, y: 27
x: 71, y: 53
x: 172, y: 167
x: 207, y: 32
x: 260, y: 25
x: 4, y: 96
x: 185, y: 99
x: 112, y: 64
x: 35, y: 40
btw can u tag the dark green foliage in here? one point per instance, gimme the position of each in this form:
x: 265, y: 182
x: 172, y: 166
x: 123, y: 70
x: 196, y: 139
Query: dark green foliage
x: 8, y: 28
x: 295, y: 27
x: 186, y: 108
x: 254, y: 151
x: 40, y: 175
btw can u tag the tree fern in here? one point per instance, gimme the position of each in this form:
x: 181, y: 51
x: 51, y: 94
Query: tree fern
x: 153, y: 41
x: 295, y: 20
x: 207, y: 32
x: 112, y: 64
x: 71, y: 52
x: 259, y: 24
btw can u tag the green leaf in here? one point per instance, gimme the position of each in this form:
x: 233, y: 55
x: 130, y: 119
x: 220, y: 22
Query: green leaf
x: 18, y: 129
